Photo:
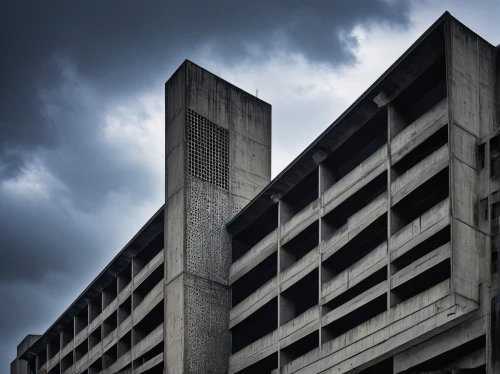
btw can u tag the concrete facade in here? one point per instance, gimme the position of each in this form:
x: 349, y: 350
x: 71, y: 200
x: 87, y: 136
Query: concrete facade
x: 374, y: 251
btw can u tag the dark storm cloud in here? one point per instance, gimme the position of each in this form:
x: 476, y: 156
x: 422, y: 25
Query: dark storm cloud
x: 123, y: 46
x: 63, y: 64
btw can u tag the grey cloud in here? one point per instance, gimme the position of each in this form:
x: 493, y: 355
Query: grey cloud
x: 63, y: 65
x: 124, y: 46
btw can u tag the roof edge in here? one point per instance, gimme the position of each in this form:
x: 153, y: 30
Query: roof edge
x: 372, y: 87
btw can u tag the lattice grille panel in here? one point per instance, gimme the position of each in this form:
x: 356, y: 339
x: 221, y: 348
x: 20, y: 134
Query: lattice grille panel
x: 207, y: 150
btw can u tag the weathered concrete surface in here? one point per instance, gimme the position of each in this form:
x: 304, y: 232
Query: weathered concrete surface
x: 371, y: 263
x: 205, y: 111
x: 440, y: 344
x: 253, y: 302
x: 254, y: 256
x: 420, y: 130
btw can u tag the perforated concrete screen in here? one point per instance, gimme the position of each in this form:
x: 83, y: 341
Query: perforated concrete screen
x: 207, y: 150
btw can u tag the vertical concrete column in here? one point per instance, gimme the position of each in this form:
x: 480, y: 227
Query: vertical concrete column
x: 47, y: 354
x: 392, y: 117
x: 493, y: 329
x: 471, y: 96
x: 493, y: 338
x: 218, y: 157
x: 471, y: 93
x: 286, y: 308
x: 395, y: 124
x: 326, y: 179
x: 61, y: 346
x: 74, y: 342
x: 88, y: 335
x: 285, y: 258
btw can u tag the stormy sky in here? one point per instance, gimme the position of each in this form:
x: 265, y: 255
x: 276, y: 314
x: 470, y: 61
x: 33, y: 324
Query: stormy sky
x: 82, y: 117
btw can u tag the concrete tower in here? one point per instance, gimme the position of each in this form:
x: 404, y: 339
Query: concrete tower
x: 218, y: 157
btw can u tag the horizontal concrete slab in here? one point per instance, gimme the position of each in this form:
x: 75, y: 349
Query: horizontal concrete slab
x: 420, y: 177
x: 53, y: 361
x: 258, y: 253
x: 295, y: 329
x: 355, y: 179
x: 299, y: 270
x: 345, y: 234
x: 438, y: 215
x: 329, y: 204
x: 419, y: 131
x: 149, y: 364
x: 253, y: 302
x: 354, y: 274
x: 357, y: 302
x: 302, y: 361
x: 390, y: 337
x: 440, y: 344
x: 421, y: 265
x: 299, y: 222
x: 392, y: 322
x: 419, y: 169
x: 256, y: 351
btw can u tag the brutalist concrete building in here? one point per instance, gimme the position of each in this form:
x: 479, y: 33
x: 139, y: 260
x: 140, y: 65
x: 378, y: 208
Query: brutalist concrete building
x: 374, y: 251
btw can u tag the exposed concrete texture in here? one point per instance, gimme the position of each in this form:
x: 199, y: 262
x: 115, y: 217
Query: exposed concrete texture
x: 355, y: 226
x: 425, y: 169
x: 218, y: 158
x: 418, y: 131
x: 438, y: 214
x: 355, y: 180
x: 356, y: 273
x: 440, y: 344
x: 254, y: 256
x: 299, y: 221
x: 421, y: 265
x: 254, y: 301
x: 299, y: 269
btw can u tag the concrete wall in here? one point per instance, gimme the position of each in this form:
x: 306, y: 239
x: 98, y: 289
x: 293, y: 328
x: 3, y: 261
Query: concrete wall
x: 471, y: 80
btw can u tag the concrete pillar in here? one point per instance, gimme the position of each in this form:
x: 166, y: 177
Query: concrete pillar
x: 495, y: 335
x: 287, y: 310
x: 472, y: 120
x: 19, y: 367
x: 218, y: 157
